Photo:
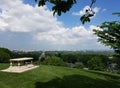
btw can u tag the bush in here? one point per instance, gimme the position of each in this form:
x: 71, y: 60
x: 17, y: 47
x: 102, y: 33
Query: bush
x: 96, y: 64
x: 79, y: 65
x: 53, y: 60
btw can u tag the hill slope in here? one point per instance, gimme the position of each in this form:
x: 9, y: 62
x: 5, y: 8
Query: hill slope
x: 58, y: 77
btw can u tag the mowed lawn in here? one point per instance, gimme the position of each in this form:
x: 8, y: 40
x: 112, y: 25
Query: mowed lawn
x: 58, y: 77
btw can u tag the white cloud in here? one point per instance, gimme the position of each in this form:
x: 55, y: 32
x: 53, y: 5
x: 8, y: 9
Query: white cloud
x: 72, y: 36
x: 2, y: 25
x: 96, y: 9
x: 82, y: 12
x: 25, y: 18
x: 27, y: 26
x: 104, y: 10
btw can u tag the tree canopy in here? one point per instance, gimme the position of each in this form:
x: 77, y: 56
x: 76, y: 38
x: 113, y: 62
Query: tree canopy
x: 5, y: 55
x: 62, y: 6
x: 110, y: 35
x: 96, y: 64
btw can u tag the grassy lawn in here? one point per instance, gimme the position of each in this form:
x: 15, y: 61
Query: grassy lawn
x: 58, y: 77
x: 3, y: 66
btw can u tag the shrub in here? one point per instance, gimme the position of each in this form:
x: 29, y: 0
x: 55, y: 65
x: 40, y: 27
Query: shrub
x: 53, y: 60
x: 79, y: 65
x: 96, y: 64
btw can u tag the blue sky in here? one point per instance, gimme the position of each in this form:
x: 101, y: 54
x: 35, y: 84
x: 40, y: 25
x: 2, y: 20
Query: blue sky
x: 25, y: 26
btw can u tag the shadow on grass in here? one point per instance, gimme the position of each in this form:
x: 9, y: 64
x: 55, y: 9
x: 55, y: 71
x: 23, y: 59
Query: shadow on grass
x: 110, y: 77
x: 77, y: 81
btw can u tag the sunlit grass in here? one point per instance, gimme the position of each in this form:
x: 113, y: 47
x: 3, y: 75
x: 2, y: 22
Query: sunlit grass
x: 58, y: 77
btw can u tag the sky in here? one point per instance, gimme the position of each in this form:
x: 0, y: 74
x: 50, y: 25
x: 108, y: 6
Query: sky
x: 25, y: 26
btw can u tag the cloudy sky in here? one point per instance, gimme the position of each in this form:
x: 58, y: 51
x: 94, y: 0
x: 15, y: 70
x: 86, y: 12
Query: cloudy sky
x: 25, y: 26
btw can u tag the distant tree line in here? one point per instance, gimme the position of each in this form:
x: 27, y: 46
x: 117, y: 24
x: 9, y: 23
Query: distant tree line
x: 82, y: 58
x: 75, y: 59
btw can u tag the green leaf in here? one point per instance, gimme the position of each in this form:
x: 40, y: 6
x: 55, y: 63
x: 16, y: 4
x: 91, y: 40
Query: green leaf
x: 41, y: 3
x: 59, y: 12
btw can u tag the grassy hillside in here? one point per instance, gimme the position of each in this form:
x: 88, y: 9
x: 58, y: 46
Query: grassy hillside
x: 58, y: 77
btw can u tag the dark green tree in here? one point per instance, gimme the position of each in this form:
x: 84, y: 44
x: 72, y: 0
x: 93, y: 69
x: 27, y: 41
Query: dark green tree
x: 96, y: 64
x: 62, y: 6
x: 53, y: 60
x: 5, y: 55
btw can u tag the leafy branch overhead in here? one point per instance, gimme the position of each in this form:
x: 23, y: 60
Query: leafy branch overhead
x: 62, y: 6
x: 59, y: 5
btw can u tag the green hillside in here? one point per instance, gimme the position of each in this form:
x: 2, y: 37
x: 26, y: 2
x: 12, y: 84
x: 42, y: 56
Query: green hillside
x: 58, y: 77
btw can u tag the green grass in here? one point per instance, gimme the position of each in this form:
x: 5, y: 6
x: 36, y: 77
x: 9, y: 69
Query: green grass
x: 3, y: 66
x: 58, y: 77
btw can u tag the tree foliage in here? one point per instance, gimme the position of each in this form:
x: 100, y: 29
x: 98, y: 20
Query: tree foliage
x: 59, y: 6
x: 116, y: 13
x: 5, y: 55
x: 53, y: 60
x: 110, y: 35
x: 96, y: 64
x: 62, y: 6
